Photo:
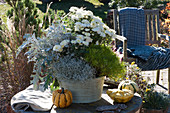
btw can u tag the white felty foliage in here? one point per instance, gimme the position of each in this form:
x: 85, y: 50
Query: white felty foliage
x: 72, y: 68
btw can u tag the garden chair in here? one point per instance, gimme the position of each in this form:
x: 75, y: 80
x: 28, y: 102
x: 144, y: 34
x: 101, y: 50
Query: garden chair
x: 143, y: 32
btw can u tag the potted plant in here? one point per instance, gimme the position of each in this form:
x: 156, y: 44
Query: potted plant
x: 75, y: 48
x: 155, y: 102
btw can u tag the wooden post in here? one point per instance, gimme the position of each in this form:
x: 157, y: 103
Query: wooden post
x: 157, y: 76
x: 125, y: 50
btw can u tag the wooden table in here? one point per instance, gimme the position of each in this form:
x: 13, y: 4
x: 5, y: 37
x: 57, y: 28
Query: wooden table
x: 132, y: 106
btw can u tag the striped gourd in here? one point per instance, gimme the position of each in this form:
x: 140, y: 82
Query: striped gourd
x: 128, y: 84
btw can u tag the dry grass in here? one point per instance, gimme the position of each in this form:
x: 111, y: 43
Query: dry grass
x: 14, y: 81
x: 14, y: 72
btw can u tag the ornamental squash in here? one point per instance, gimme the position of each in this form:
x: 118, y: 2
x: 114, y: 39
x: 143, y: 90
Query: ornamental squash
x: 120, y: 96
x: 128, y: 84
x: 62, y: 98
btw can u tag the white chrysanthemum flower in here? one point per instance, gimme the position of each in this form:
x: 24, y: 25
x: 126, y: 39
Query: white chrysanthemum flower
x: 99, y: 32
x: 73, y: 42
x: 57, y: 48
x: 96, y: 29
x: 73, y: 9
x: 78, y: 23
x: 64, y: 43
x: 78, y: 40
x: 74, y: 17
x: 87, y: 25
x: 87, y: 34
x: 93, y: 24
x: 85, y: 43
x: 88, y: 13
x: 102, y: 34
x: 102, y: 28
x: 77, y: 26
x: 108, y: 32
x: 88, y: 39
x: 83, y: 32
x: 79, y: 13
x: 105, y: 26
x: 82, y: 28
x: 86, y: 16
x: 80, y: 37
x: 86, y: 29
x: 112, y: 31
x: 97, y: 19
x: 85, y: 21
x: 84, y: 25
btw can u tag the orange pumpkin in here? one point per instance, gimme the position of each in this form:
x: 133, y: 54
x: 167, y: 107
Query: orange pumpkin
x: 62, y: 98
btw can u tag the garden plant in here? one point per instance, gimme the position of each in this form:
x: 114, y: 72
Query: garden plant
x: 79, y: 35
x: 154, y: 100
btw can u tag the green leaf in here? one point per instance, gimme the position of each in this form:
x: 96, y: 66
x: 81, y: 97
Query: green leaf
x: 55, y: 85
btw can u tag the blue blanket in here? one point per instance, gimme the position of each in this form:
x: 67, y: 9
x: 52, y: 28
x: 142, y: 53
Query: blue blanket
x: 150, y: 58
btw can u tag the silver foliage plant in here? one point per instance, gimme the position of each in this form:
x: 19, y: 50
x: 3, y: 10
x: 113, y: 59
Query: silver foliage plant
x: 40, y: 51
x: 73, y: 68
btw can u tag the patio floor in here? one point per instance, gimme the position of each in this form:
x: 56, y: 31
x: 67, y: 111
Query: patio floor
x: 163, y: 79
